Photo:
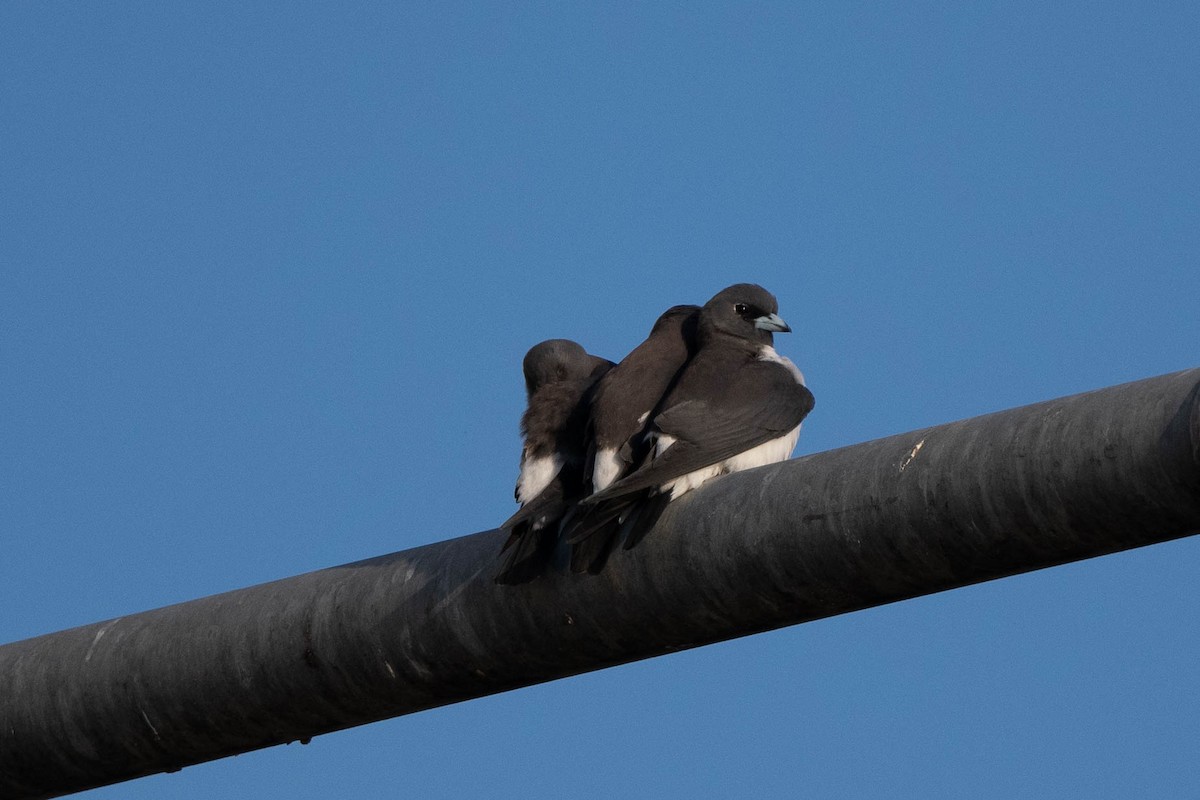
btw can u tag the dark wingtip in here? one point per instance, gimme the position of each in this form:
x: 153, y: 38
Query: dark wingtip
x: 644, y: 518
x: 527, y: 553
x: 591, y: 554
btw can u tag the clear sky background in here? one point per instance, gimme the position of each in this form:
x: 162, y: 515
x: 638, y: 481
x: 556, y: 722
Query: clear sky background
x: 267, y: 274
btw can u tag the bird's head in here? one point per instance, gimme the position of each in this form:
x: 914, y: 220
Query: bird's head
x: 555, y: 361
x: 745, y: 310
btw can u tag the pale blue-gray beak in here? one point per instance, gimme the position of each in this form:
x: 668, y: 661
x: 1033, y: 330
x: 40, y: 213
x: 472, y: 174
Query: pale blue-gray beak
x: 773, y: 323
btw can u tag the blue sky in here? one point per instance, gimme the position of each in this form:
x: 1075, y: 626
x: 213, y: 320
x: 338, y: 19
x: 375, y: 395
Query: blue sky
x: 267, y: 274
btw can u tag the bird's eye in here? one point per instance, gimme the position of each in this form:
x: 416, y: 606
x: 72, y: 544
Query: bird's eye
x: 741, y: 308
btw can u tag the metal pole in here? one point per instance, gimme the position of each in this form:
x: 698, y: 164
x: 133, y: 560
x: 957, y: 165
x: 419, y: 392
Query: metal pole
x: 834, y: 532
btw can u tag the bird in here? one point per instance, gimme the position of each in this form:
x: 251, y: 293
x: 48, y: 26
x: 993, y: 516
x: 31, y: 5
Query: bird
x: 621, y: 406
x: 737, y: 404
x: 627, y: 395
x: 559, y: 375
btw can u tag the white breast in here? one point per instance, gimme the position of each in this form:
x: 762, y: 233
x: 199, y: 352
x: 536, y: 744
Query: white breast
x: 768, y: 353
x: 605, y: 469
x: 771, y: 452
x: 536, y: 474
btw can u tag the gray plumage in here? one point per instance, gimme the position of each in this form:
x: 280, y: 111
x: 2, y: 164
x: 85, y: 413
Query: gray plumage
x: 626, y: 397
x: 622, y: 405
x: 736, y: 405
x: 559, y: 375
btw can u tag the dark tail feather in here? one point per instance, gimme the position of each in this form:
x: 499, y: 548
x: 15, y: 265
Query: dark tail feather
x: 594, y: 534
x: 549, y: 504
x: 584, y: 521
x: 591, y: 553
x: 643, y: 518
x: 532, y: 537
x: 527, y: 553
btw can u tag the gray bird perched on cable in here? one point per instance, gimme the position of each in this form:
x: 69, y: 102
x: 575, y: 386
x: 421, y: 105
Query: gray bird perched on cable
x: 559, y: 376
x: 627, y: 395
x: 737, y: 404
x: 622, y: 404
